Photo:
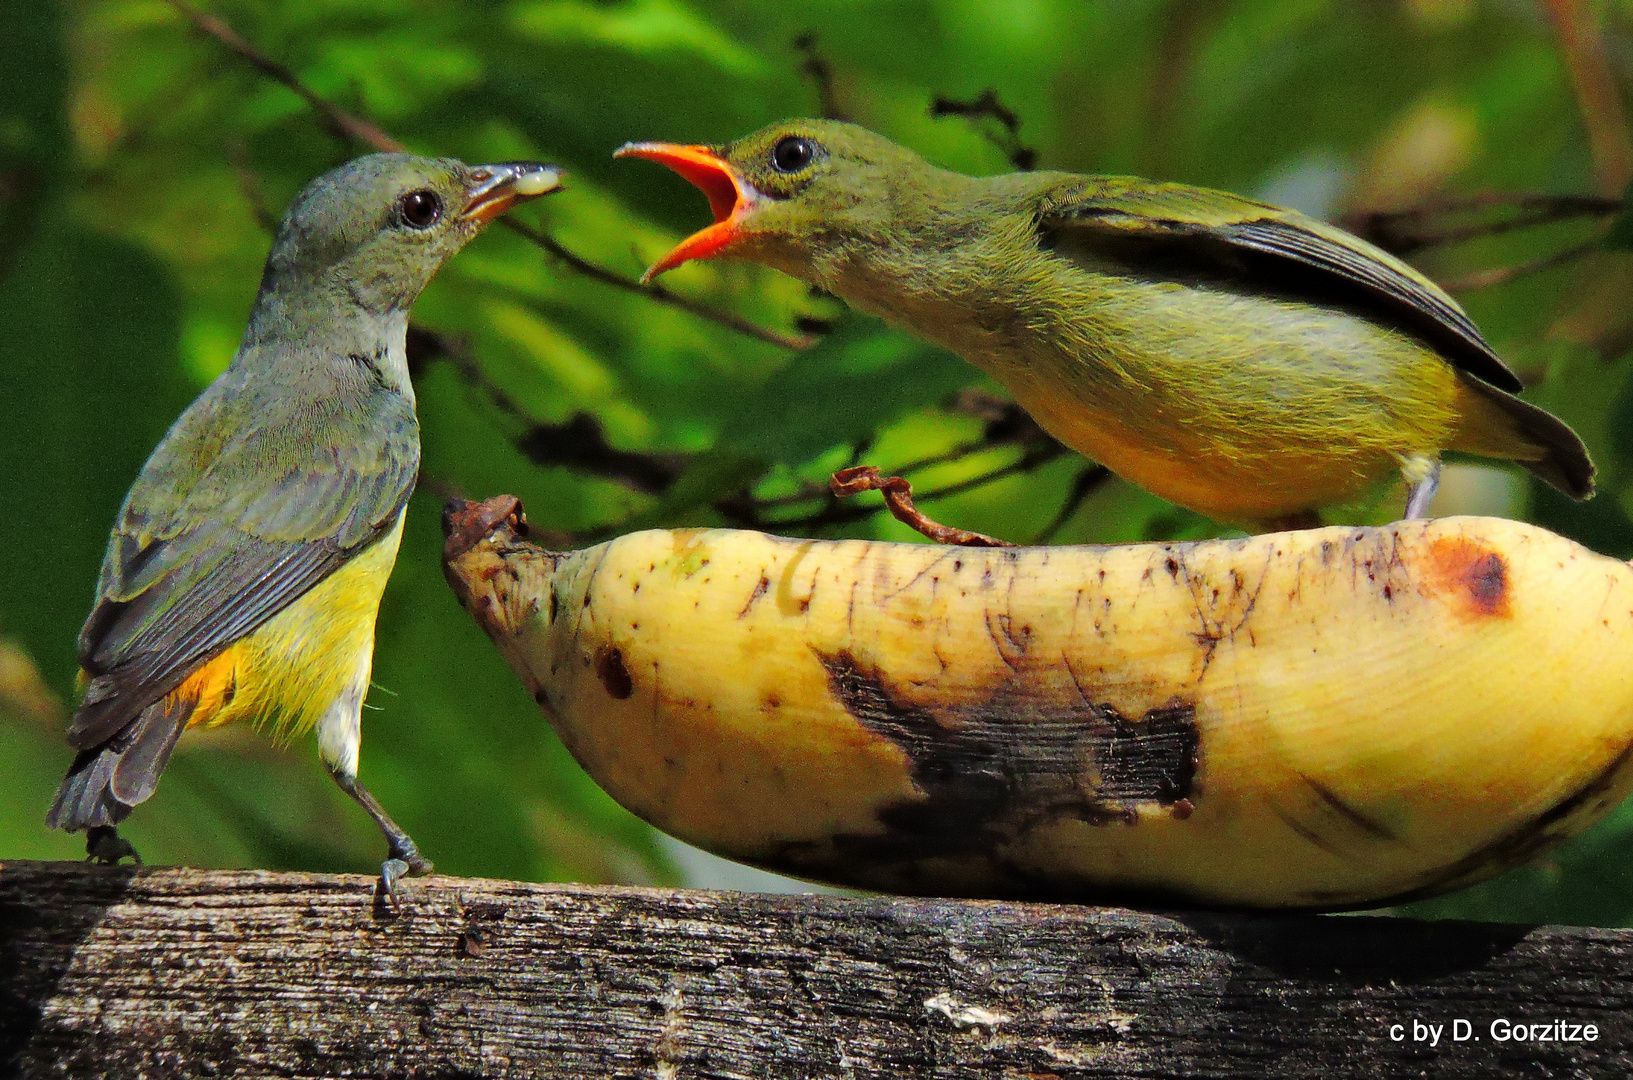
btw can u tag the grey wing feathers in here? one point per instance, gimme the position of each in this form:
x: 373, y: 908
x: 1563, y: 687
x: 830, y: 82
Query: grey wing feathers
x: 1249, y: 240
x: 254, y: 583
x: 219, y: 534
x: 1426, y: 310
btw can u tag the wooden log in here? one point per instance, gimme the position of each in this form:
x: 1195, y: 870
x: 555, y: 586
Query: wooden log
x: 173, y: 972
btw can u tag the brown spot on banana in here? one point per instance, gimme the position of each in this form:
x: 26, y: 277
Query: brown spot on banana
x: 1327, y: 718
x: 1474, y: 575
x: 609, y: 665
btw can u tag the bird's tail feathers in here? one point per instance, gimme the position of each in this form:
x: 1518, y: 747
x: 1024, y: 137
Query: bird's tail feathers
x: 1498, y: 424
x: 107, y: 780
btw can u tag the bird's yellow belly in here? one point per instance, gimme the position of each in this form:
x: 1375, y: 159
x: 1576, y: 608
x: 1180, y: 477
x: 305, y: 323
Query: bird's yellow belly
x: 1303, y: 408
x: 1227, y: 481
x: 294, y: 666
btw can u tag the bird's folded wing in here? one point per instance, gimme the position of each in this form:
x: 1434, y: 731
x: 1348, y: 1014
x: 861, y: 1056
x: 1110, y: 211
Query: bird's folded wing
x: 219, y: 535
x: 1279, y: 249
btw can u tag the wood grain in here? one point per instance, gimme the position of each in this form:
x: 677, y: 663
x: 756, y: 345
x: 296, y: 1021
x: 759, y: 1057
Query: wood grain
x: 174, y: 972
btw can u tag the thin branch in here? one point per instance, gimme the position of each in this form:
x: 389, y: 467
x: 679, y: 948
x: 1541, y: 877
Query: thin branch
x: 1087, y: 482
x: 841, y: 513
x: 657, y: 292
x: 577, y: 443
x: 1007, y: 424
x: 820, y: 71
x: 340, y: 121
x: 1405, y: 231
x: 349, y: 126
x: 1600, y: 99
x: 1020, y: 155
x: 898, y: 495
x: 580, y: 444
x: 1502, y: 275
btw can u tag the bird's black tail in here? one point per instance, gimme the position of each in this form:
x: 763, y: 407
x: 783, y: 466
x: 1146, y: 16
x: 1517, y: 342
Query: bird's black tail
x: 1560, y: 458
x: 107, y: 780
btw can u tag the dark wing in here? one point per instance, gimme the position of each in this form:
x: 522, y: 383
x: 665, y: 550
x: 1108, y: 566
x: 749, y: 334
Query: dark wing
x: 1256, y: 245
x: 239, y: 512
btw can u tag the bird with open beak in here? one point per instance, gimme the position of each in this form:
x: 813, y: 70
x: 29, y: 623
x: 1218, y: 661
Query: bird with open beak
x: 245, y: 569
x: 1233, y: 357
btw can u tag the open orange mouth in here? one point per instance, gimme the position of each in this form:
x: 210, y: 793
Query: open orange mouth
x: 730, y: 197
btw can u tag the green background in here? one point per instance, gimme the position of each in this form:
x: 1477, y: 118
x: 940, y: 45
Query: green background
x: 140, y: 163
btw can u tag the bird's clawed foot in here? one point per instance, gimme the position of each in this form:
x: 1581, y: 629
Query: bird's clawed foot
x: 404, y: 860
x: 105, y: 846
x: 898, y: 495
x: 402, y: 855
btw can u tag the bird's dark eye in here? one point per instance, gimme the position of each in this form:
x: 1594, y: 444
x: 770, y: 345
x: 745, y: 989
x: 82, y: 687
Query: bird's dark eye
x: 791, y: 154
x: 419, y: 209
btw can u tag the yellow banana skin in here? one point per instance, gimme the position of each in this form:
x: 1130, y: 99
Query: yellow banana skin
x: 1325, y: 719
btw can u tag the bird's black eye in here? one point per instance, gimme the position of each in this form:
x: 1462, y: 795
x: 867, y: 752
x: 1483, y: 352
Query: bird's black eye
x: 792, y: 153
x: 419, y: 209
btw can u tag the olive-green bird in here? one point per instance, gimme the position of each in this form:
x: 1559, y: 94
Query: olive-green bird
x: 244, y: 572
x: 1236, y: 358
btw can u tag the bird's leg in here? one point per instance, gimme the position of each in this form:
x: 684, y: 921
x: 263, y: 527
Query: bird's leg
x: 104, y: 845
x: 1423, y: 476
x: 898, y: 495
x: 402, y: 856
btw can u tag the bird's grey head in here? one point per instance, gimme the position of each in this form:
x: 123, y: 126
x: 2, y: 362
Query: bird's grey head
x: 369, y: 235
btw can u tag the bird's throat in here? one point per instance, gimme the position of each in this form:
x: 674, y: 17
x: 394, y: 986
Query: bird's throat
x: 283, y: 340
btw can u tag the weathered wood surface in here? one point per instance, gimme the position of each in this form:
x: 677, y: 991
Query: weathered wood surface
x: 132, y: 973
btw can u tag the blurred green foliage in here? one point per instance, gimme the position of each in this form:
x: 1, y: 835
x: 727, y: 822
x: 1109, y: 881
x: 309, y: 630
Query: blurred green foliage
x: 140, y: 164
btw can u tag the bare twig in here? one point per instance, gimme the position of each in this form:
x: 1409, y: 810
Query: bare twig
x: 745, y: 511
x: 249, y: 182
x: 1087, y: 482
x: 1609, y: 134
x: 820, y: 70
x: 1405, y: 231
x: 348, y: 126
x: 656, y: 292
x: 1007, y: 424
x: 578, y: 443
x: 1502, y: 275
x: 1020, y: 155
x: 341, y: 122
x: 898, y: 495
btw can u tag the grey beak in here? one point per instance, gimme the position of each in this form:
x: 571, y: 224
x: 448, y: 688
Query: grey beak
x: 496, y: 188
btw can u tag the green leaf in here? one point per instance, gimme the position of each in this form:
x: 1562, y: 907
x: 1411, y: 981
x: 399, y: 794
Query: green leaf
x: 90, y: 375
x: 34, y: 146
x: 861, y: 377
x: 708, y: 476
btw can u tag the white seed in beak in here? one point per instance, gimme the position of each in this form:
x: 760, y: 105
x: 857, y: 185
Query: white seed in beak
x: 537, y: 182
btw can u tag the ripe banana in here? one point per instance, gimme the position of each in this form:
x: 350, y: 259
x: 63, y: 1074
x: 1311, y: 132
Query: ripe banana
x: 1325, y: 719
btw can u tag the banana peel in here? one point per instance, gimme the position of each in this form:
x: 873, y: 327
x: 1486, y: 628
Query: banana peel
x: 1325, y: 719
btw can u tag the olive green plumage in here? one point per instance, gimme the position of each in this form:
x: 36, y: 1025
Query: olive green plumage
x: 1237, y: 358
x: 285, y: 481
